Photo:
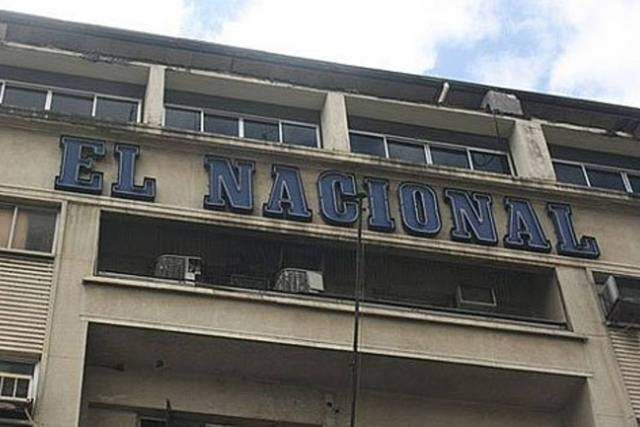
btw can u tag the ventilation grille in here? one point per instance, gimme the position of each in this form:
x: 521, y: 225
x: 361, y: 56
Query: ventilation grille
x: 626, y: 345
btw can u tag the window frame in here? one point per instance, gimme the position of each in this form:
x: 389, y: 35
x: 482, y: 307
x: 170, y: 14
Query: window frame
x: 33, y: 378
x: 14, y: 220
x: 51, y: 90
x: 624, y: 174
x: 241, y: 117
x: 427, y: 148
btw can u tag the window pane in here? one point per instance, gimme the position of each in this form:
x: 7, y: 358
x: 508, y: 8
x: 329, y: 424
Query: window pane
x: 182, y: 119
x: 299, y: 135
x: 16, y: 368
x: 606, y: 179
x: 367, y: 144
x: 449, y: 157
x: 34, y: 230
x: 72, y: 104
x: 635, y: 183
x: 570, y: 174
x: 7, y: 386
x: 6, y: 217
x: 221, y: 125
x: 117, y: 110
x: 490, y: 162
x: 267, y: 131
x: 22, y: 389
x: 24, y: 98
x: 409, y: 152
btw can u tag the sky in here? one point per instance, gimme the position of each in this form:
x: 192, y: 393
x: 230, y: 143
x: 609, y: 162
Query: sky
x: 579, y: 48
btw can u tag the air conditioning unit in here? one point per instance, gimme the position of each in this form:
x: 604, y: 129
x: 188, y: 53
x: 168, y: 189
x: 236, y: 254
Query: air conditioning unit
x: 621, y: 299
x: 296, y: 280
x: 477, y: 298
x: 15, y: 388
x: 503, y: 103
x: 179, y: 267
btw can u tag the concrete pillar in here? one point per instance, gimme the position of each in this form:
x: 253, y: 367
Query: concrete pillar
x: 60, y: 387
x: 154, y: 96
x: 529, y: 151
x: 333, y: 122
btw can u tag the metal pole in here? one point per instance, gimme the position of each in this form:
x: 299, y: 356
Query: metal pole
x: 355, y: 361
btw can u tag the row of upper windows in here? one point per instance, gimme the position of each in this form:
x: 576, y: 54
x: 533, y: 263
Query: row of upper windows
x: 597, y: 176
x: 27, y: 228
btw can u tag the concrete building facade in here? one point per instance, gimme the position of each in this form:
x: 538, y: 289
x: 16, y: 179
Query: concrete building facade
x: 178, y: 230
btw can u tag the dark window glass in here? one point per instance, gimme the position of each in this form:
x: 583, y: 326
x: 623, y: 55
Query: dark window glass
x: 570, y: 174
x: 24, y: 98
x: 6, y: 219
x: 72, y: 104
x: 22, y: 389
x: 367, y: 144
x: 117, y: 110
x: 16, y: 368
x: 221, y: 125
x: 182, y: 119
x: 299, y: 135
x: 635, y: 183
x: 490, y: 162
x: 34, y: 230
x: 267, y: 131
x: 449, y: 157
x: 409, y: 152
x: 7, y: 386
x: 605, y: 179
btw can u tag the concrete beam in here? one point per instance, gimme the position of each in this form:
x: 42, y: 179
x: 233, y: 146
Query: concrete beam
x: 530, y: 152
x: 154, y: 96
x: 333, y: 122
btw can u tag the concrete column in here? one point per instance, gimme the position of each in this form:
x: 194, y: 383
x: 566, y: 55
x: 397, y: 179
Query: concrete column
x: 603, y: 401
x: 154, y: 96
x: 333, y: 121
x: 529, y: 151
x: 60, y: 387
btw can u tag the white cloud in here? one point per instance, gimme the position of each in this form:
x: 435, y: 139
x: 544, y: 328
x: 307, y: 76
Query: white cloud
x: 402, y: 36
x: 160, y: 17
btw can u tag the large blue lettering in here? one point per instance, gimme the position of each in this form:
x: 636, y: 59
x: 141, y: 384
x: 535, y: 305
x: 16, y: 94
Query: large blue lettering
x: 230, y: 186
x: 126, y: 187
x: 419, y: 209
x: 76, y: 166
x: 523, y: 227
x: 472, y: 217
x: 333, y: 189
x: 379, y: 212
x: 287, y: 199
x: 568, y: 243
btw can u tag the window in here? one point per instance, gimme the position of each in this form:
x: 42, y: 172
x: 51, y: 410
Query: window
x: 117, y: 110
x: 408, y: 152
x: 15, y: 380
x: 258, y: 129
x: 299, y: 135
x: 24, y: 97
x: 605, y: 179
x: 182, y: 119
x: 634, y: 181
x: 221, y: 125
x: 72, y: 104
x: 449, y: 157
x: 570, y: 174
x: 367, y: 144
x: 490, y: 162
x: 27, y: 228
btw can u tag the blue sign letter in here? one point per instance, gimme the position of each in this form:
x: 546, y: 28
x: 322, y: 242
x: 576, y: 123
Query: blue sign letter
x: 126, y: 187
x: 568, y: 243
x: 419, y: 209
x: 472, y: 217
x: 230, y: 186
x: 523, y: 228
x: 78, y: 155
x: 332, y: 187
x: 287, y: 199
x: 379, y: 212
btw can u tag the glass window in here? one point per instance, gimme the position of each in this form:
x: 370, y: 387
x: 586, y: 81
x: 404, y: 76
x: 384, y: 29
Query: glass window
x: 409, y: 152
x: 570, y: 174
x: 24, y: 98
x: 22, y: 388
x: 72, y: 104
x: 609, y: 180
x: 34, y: 230
x: 182, y: 119
x: 367, y: 144
x: 299, y: 135
x: 8, y: 384
x: 449, y: 157
x: 490, y: 162
x: 257, y: 129
x: 117, y: 110
x: 221, y: 125
x: 6, y: 218
x: 635, y: 183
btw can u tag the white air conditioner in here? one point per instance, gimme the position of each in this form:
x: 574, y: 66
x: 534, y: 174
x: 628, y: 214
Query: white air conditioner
x: 477, y: 298
x: 295, y: 280
x: 15, y: 388
x: 179, y: 267
x: 621, y: 299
